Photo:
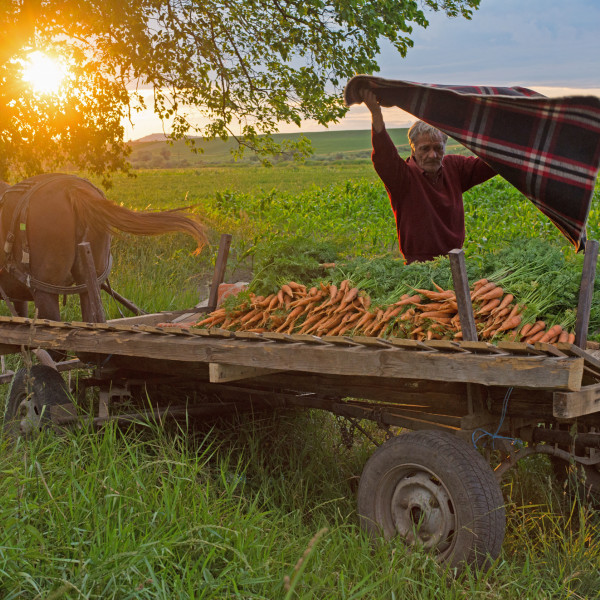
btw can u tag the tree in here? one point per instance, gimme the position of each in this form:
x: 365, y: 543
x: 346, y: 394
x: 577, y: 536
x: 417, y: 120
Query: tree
x: 242, y: 65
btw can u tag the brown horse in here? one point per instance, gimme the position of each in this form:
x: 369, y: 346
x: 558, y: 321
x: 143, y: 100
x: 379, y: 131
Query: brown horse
x: 44, y: 218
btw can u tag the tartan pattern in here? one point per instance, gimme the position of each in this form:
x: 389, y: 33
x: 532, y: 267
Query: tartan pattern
x: 548, y: 148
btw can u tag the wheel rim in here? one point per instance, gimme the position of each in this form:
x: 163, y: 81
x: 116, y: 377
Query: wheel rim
x: 416, y: 505
x: 28, y: 416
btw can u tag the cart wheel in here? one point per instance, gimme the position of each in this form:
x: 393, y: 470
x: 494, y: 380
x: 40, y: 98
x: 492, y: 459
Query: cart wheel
x: 436, y: 492
x: 584, y: 480
x: 33, y: 392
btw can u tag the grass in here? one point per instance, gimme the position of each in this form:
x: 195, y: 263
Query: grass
x: 250, y: 509
x: 264, y: 507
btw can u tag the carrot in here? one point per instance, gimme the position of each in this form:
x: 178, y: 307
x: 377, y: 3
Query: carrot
x: 313, y: 291
x: 479, y: 283
x: 571, y: 339
x: 504, y: 303
x: 535, y: 337
x: 280, y: 297
x: 350, y: 295
x: 291, y: 318
x: 536, y: 327
x: 332, y: 292
x: 330, y: 324
x: 436, y: 295
x: 525, y: 329
x: 250, y: 314
x: 310, y: 321
x: 305, y: 301
x: 409, y: 300
x: 287, y: 290
x: 297, y: 286
x: 344, y: 285
x: 488, y: 307
x: 486, y: 287
x: 365, y: 301
x: 510, y: 323
x: 496, y: 292
x: 553, y: 332
x: 368, y: 316
x: 408, y: 314
x: 435, y: 314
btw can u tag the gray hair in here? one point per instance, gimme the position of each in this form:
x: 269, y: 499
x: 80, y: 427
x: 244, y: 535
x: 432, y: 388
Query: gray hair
x: 420, y: 128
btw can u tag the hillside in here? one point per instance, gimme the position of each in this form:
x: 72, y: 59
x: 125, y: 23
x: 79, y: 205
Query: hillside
x: 329, y: 146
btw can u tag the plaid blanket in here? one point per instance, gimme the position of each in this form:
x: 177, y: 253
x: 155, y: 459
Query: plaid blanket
x: 548, y: 148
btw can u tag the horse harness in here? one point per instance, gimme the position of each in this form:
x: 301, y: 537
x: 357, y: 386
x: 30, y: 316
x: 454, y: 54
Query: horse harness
x: 18, y: 227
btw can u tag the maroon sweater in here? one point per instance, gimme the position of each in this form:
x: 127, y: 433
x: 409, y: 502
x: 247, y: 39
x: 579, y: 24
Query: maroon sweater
x: 430, y: 218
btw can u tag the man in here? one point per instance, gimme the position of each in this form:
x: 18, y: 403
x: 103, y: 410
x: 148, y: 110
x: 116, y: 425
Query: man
x: 425, y: 190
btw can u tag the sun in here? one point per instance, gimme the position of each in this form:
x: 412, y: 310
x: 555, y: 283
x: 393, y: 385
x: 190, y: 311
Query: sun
x: 43, y: 73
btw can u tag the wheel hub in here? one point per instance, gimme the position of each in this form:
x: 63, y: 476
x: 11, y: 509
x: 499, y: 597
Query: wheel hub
x: 28, y: 416
x: 422, y: 512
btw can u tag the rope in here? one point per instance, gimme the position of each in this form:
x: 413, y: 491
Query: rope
x: 494, y: 436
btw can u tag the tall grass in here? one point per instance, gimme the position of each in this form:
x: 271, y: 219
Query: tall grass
x: 260, y: 508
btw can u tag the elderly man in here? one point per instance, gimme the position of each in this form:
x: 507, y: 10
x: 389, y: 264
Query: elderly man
x: 425, y: 190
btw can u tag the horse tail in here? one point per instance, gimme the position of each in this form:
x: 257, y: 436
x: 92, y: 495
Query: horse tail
x: 101, y: 214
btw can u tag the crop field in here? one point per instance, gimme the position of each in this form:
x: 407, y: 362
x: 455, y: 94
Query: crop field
x: 264, y: 507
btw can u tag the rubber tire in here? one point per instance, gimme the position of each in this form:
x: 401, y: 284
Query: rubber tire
x: 445, y: 482
x: 32, y: 393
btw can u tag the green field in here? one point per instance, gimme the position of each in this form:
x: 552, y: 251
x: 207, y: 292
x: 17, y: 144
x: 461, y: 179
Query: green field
x: 265, y: 507
x: 327, y: 146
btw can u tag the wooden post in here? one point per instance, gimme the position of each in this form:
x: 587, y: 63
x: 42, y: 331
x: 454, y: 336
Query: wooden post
x: 586, y: 292
x: 463, y: 295
x: 219, y: 273
x: 90, y: 280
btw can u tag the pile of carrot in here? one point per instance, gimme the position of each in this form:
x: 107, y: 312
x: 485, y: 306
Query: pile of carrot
x: 328, y: 309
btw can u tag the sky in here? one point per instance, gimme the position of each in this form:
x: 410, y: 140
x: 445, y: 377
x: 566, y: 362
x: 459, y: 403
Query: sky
x: 551, y: 46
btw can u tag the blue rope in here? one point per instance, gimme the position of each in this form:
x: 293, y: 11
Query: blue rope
x: 494, y: 436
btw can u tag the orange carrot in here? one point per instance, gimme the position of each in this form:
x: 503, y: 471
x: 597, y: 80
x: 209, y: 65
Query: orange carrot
x: 525, y: 329
x: 435, y: 314
x: 531, y: 339
x: 496, y: 292
x: 571, y: 339
x: 510, y: 323
x: 537, y: 327
x: 409, y: 300
x: 554, y: 331
x: 486, y: 287
x: 504, y: 303
x: 488, y: 307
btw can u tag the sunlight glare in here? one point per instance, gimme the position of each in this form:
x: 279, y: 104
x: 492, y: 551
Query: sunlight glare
x: 43, y: 73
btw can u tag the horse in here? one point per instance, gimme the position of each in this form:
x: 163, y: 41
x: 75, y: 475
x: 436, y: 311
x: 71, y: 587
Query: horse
x: 42, y: 221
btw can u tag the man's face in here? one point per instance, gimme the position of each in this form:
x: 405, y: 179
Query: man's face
x: 428, y: 153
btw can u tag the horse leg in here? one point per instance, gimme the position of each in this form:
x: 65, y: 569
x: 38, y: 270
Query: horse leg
x: 47, y: 307
x: 22, y: 307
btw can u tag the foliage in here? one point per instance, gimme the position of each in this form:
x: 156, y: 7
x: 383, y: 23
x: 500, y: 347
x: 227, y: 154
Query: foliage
x: 216, y: 68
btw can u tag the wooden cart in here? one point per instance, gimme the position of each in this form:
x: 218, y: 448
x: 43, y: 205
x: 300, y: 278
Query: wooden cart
x: 430, y: 486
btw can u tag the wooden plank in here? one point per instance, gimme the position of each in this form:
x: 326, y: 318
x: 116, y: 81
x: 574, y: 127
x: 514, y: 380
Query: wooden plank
x: 219, y: 373
x: 573, y: 350
x: 463, y: 294
x: 482, y: 347
x: 530, y: 372
x: 219, y: 274
x: 411, y: 344
x: 586, y: 292
x: 568, y: 405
